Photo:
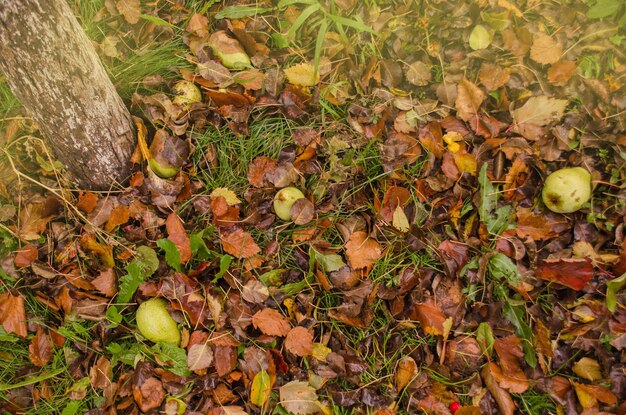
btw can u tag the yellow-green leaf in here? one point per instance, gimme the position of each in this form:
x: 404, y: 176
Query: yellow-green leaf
x: 261, y: 388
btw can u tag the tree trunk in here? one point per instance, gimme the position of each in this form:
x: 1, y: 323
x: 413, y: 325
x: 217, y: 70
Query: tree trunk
x: 53, y: 69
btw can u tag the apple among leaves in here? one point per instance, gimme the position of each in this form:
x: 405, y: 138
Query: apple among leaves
x: 567, y: 190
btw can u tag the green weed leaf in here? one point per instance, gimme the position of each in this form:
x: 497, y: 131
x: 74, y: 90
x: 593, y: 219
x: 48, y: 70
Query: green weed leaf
x: 130, y: 282
x: 501, y: 267
x: 603, y: 8
x: 612, y: 287
x: 172, y: 254
x: 485, y: 339
x: 237, y: 12
x: 173, y: 356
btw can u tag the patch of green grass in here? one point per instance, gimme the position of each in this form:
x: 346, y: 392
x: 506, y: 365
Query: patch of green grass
x: 532, y: 402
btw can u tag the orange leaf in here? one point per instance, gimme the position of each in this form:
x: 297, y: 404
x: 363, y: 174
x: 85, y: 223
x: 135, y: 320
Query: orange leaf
x: 240, y: 244
x: 511, y: 376
x: 12, y: 314
x: 430, y: 317
x: 407, y: 370
x: 119, y: 216
x: 299, y: 341
x: 176, y: 233
x: 362, y: 251
x: 87, y: 201
x: 271, y: 322
x: 570, y: 272
x: 502, y: 397
x: 104, y: 252
x: 40, y: 348
x: 105, y: 282
x: 26, y: 255
x: 469, y: 98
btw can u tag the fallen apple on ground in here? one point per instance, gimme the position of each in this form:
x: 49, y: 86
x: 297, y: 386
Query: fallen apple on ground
x: 284, y: 200
x: 155, y: 323
x: 186, y: 93
x: 567, y: 190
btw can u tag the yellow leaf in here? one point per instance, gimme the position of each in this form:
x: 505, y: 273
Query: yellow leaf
x: 588, y: 368
x: 229, y: 195
x: 261, y: 388
x: 302, y: 74
x: 406, y: 372
x: 466, y: 163
x: 320, y: 351
x: 400, y: 221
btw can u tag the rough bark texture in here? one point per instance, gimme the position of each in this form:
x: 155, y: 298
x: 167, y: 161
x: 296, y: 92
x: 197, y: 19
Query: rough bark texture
x: 53, y: 69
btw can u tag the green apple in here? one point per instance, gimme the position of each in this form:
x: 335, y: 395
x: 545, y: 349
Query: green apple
x: 155, y: 323
x: 284, y: 200
x: 186, y: 93
x: 567, y: 190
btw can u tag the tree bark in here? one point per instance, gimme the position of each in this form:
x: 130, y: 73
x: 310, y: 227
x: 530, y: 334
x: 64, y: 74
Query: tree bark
x: 53, y: 69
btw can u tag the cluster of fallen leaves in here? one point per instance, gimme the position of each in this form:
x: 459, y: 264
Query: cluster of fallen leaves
x: 488, y: 296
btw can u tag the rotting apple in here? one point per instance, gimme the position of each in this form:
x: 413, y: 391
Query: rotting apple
x: 155, y: 323
x: 567, y: 190
x: 186, y: 93
x: 284, y: 200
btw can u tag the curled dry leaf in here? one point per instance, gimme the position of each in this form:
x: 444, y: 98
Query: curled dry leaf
x: 271, y: 322
x: 177, y: 234
x: 405, y: 373
x: 239, y: 243
x: 509, y: 374
x: 362, y: 251
x: 502, y: 397
x: 299, y: 341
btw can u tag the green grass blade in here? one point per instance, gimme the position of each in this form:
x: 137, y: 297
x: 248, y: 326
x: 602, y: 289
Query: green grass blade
x: 306, y: 13
x: 319, y: 42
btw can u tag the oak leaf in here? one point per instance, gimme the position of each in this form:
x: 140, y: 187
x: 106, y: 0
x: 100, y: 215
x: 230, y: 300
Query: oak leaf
x: 271, y: 322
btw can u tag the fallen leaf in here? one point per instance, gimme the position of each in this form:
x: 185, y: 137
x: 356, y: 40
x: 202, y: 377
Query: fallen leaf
x: 302, y: 211
x: 239, y: 243
x: 105, y: 282
x: 299, y: 397
x: 480, y: 37
x: 198, y: 25
x: 176, y: 233
x: 100, y: 374
x: 362, y: 251
x: 493, y: 76
x: 545, y: 49
x: 199, y: 356
x: 87, y: 201
x: 302, y: 74
x: 560, y: 72
x: 430, y: 317
x: 589, y: 395
x: 25, y: 255
x: 570, y: 272
x: 418, y: 73
x: 40, y: 348
x: 149, y: 395
x: 228, y: 195
x: 260, y: 389
x: 511, y: 376
x: 119, y: 216
x: 405, y: 372
x: 299, y: 341
x: 539, y: 111
x: 102, y: 251
x: 469, y: 99
x: 587, y: 368
x: 502, y: 397
x: 399, y: 220
x: 33, y: 221
x: 225, y: 359
x: 271, y: 322
x: 258, y: 169
x: 130, y: 9
x: 538, y: 227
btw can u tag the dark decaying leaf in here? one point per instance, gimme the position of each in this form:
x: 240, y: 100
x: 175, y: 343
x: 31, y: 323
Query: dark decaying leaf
x: 570, y: 272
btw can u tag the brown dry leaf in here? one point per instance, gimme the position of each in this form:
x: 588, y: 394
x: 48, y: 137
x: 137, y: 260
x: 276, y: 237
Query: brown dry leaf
x: 502, y: 397
x: 225, y: 359
x: 199, y: 356
x: 302, y: 211
x: 251, y: 79
x: 561, y: 72
x: 545, y: 49
x: 33, y: 221
x: 26, y: 255
x: 588, y: 395
x: 493, y: 76
x: 119, y: 216
x: 405, y: 373
x: 362, y: 251
x: 13, y: 314
x: 198, y: 25
x: 130, y: 9
x: 176, y: 233
x: 469, y: 99
x: 87, y: 201
x: 239, y: 243
x: 40, y: 348
x: 100, y: 374
x: 105, y: 282
x: 271, y: 322
x: 258, y: 170
x: 149, y: 395
x: 570, y: 272
x: 299, y: 341
x: 537, y: 112
x: 538, y: 227
x: 102, y: 251
x: 430, y: 317
x: 511, y: 377
x: 299, y: 397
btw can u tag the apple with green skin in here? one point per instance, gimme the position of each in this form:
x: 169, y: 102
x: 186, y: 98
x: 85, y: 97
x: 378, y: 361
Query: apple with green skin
x: 567, y: 190
x: 155, y: 323
x: 284, y: 200
x: 186, y: 93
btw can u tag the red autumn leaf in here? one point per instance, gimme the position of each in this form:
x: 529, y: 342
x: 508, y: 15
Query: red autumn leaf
x: 362, y: 251
x: 239, y: 243
x: 430, y: 317
x: 299, y: 341
x: 26, y: 255
x: 13, y: 314
x: 176, y: 233
x: 271, y: 322
x: 40, y: 348
x: 509, y: 374
x: 570, y: 272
